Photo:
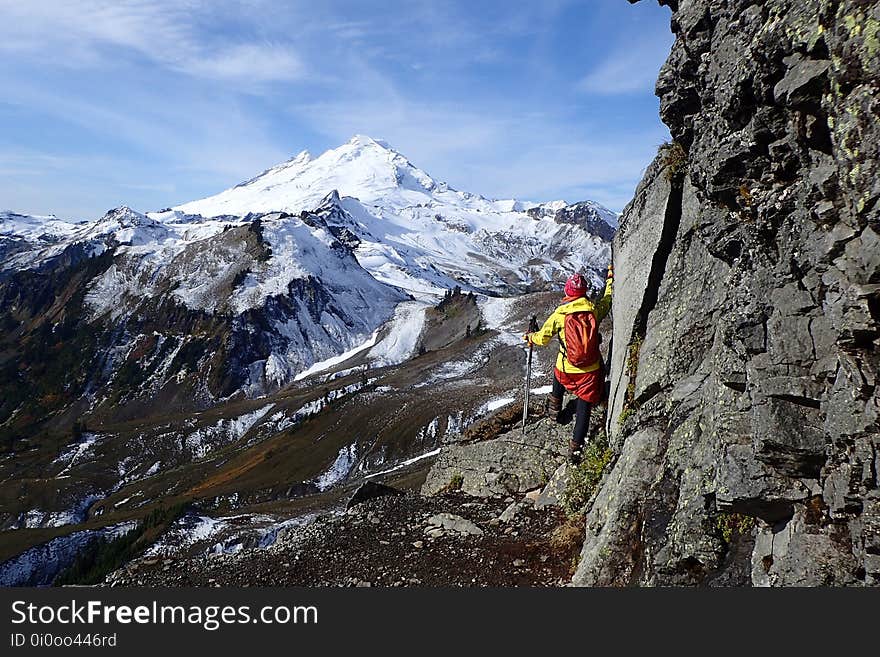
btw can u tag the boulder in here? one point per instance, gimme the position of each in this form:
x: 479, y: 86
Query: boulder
x: 552, y: 493
x: 370, y: 490
x: 512, y: 463
x: 454, y: 523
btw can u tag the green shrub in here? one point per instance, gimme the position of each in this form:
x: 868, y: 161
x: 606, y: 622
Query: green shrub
x: 584, y: 478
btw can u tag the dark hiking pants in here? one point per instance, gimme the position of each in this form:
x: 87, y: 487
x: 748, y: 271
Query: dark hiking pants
x: 581, y: 414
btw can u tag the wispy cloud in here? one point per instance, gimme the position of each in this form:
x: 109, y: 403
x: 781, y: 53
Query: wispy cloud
x: 82, y: 34
x: 249, y: 62
x: 211, y: 134
x: 630, y: 68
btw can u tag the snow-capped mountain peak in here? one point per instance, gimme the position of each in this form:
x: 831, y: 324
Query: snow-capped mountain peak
x: 376, y: 175
x: 302, y: 157
x: 416, y: 233
x: 364, y: 168
x: 124, y: 217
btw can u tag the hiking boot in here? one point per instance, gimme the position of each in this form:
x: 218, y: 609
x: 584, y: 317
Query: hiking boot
x: 554, y: 407
x: 575, y: 452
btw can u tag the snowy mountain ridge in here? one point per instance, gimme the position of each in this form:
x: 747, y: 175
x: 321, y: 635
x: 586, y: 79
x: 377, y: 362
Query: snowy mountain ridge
x: 303, y: 262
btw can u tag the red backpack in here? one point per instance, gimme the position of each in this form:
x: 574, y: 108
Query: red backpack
x: 581, y: 344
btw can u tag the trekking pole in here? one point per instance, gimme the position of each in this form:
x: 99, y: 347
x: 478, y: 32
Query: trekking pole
x: 533, y: 326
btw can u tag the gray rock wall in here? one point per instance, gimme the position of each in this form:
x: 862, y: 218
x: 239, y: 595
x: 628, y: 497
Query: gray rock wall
x: 750, y: 275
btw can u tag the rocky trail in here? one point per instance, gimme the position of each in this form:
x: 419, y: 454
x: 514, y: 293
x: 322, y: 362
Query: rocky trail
x: 400, y: 540
x: 488, y: 515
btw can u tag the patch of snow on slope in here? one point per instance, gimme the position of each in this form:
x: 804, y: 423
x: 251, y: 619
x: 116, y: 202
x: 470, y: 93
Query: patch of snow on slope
x: 223, y: 432
x: 401, y: 335
x: 340, y: 468
x: 279, y: 421
x: 317, y: 405
x: 495, y: 311
x: 187, y: 531
x: 428, y: 433
x: 407, y: 462
x: 72, y: 455
x: 454, y: 424
x: 498, y: 403
x: 259, y: 537
x: 40, y: 565
x: 269, y: 535
x: 297, y: 252
x: 452, y: 370
x: 127, y: 469
x: 37, y: 519
x: 460, y: 368
x: 223, y: 535
x: 337, y: 360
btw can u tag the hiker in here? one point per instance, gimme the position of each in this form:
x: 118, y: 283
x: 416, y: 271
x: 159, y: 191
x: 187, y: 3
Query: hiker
x: 579, y: 367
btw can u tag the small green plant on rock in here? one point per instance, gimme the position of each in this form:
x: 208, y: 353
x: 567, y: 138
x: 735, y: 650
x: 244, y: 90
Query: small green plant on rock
x: 584, y: 478
x: 732, y: 525
x: 674, y: 159
x: 455, y: 483
x: 632, y: 368
x: 625, y: 414
x: 632, y: 360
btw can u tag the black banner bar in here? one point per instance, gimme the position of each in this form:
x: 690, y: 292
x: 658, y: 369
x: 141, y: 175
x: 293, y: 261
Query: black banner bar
x: 241, y: 621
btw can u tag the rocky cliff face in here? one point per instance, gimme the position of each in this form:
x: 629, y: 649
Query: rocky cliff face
x: 744, y: 407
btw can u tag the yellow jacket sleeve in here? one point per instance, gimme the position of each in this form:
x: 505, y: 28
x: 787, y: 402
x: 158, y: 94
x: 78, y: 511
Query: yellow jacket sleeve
x: 603, y: 305
x: 551, y: 327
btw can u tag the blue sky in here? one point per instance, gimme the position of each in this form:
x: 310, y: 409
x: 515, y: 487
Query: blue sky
x: 153, y: 103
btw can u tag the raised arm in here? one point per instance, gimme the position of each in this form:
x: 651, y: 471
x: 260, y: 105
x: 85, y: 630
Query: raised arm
x: 603, y: 305
x: 544, y: 334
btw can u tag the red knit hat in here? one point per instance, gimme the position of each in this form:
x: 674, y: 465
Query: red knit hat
x: 575, y: 286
